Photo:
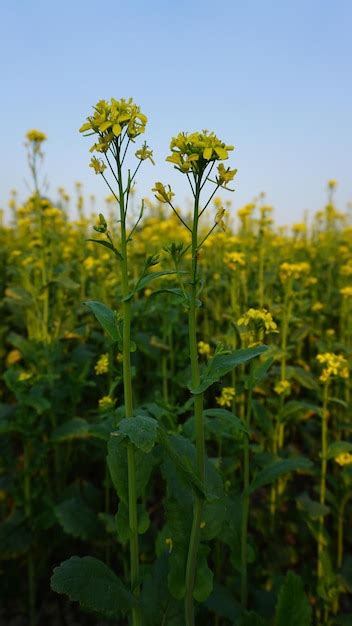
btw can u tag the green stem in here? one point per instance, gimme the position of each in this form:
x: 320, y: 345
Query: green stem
x: 128, y: 397
x: 30, y: 558
x: 324, y: 448
x: 341, y: 512
x: 198, y: 416
x: 245, y: 507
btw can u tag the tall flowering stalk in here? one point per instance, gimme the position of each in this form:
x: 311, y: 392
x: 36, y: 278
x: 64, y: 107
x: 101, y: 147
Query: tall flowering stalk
x: 116, y: 124
x: 334, y: 365
x: 195, y: 155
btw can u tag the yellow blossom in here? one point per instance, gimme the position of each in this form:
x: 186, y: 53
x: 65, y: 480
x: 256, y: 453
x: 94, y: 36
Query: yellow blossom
x: 204, y: 348
x: 344, y: 458
x: 106, y: 402
x: 36, y: 136
x: 97, y: 165
x: 282, y: 387
x: 346, y: 292
x: 226, y: 397
x: 335, y: 365
x: 102, y: 365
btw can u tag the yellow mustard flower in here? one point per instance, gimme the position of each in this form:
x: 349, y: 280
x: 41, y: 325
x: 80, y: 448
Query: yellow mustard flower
x: 204, y: 348
x: 110, y: 119
x: 344, y: 458
x: 106, y: 402
x: 191, y: 152
x: 346, y: 292
x: 335, y: 365
x: 226, y: 397
x: 283, y: 387
x: 102, y: 365
x: 36, y: 136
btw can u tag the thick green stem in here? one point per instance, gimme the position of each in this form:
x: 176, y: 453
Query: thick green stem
x: 245, y: 507
x: 27, y: 488
x: 323, y: 469
x: 128, y: 397
x: 198, y: 416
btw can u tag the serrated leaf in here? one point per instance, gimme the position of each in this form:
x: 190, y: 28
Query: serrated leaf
x: 270, y: 473
x: 78, y: 519
x: 141, y: 430
x: 105, y: 317
x: 94, y: 585
x: 293, y: 608
x: 222, y: 364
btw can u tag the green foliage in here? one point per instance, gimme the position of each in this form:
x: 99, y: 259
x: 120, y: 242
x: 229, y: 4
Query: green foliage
x: 106, y: 317
x: 275, y: 470
x: 293, y: 607
x: 94, y: 585
x: 222, y: 364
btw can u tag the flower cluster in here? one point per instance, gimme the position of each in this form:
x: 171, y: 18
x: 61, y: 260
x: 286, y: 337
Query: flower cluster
x: 346, y: 292
x: 102, y: 365
x: 283, y: 387
x: 335, y: 365
x: 293, y: 270
x: 36, y: 136
x: 162, y: 194
x: 260, y: 317
x: 110, y: 119
x: 258, y: 322
x: 344, y: 458
x: 106, y: 402
x: 204, y: 348
x: 192, y: 152
x: 233, y: 259
x: 226, y: 397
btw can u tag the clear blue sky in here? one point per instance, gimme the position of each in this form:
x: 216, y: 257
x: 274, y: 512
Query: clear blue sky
x: 272, y: 77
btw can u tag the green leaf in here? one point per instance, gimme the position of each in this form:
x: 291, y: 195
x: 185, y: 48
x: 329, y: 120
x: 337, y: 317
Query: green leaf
x: 106, y: 317
x: 66, y: 281
x: 295, y: 407
x: 223, y: 603
x: 313, y: 509
x: 304, y: 378
x: 157, y: 605
x: 338, y: 447
x: 179, y: 451
x: 203, y: 585
x: 8, y: 419
x: 145, y: 280
x: 273, y: 471
x: 221, y: 364
x: 15, y: 538
x: 253, y: 619
x: 141, y: 430
x: 78, y: 519
x: 77, y: 428
x: 94, y: 585
x: 293, y: 608
x: 117, y: 462
x: 259, y: 372
x: 224, y: 423
x: 20, y: 295
x: 108, y: 245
